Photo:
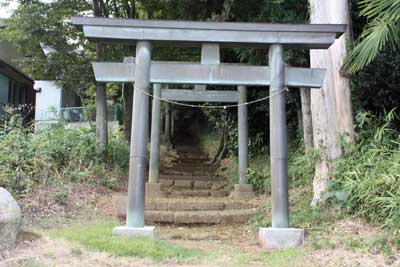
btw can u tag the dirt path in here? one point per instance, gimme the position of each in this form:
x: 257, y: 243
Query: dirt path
x: 345, y: 243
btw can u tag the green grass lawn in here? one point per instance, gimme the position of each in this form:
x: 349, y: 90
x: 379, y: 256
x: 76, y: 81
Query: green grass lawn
x: 98, y: 237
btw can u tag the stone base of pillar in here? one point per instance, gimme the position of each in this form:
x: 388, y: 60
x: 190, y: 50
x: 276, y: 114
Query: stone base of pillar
x: 281, y: 238
x: 242, y: 191
x: 146, y: 231
x: 154, y: 191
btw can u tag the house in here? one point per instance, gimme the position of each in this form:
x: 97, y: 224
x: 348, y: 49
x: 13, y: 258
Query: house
x: 16, y: 88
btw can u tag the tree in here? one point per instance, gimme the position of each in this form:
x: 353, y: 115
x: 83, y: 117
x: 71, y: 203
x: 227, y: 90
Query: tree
x: 331, y: 105
x: 383, y: 29
x: 101, y: 10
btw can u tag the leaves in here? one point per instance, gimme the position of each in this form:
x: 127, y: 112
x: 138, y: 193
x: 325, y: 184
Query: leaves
x: 382, y: 30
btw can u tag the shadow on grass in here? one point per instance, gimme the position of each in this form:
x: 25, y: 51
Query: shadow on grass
x: 98, y: 237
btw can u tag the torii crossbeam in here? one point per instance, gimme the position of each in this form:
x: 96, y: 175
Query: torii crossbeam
x: 145, y: 33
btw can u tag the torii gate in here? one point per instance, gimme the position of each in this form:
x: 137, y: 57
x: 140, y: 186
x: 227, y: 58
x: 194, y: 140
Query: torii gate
x: 144, y: 33
x: 210, y: 54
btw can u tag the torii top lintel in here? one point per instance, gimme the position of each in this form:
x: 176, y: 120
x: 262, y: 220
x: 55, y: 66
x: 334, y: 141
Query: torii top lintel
x: 232, y: 34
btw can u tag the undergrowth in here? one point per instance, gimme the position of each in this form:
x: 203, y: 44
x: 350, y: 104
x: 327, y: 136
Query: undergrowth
x: 57, y: 154
x: 369, y: 174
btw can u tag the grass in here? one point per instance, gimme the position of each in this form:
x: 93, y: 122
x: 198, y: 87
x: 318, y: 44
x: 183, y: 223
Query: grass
x: 98, y: 237
x: 272, y: 259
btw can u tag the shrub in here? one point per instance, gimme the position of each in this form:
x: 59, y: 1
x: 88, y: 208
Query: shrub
x: 57, y: 153
x: 370, y: 173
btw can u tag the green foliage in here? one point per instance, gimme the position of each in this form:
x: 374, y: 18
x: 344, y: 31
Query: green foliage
x: 98, y: 237
x: 57, y: 154
x: 260, y: 180
x: 383, y: 29
x: 368, y: 178
x: 61, y: 198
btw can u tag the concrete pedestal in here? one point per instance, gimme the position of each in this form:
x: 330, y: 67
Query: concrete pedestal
x: 242, y: 191
x: 154, y: 191
x: 281, y: 238
x: 146, y: 231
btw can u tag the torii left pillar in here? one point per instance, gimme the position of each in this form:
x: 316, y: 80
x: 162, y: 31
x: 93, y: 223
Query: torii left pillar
x: 137, y: 163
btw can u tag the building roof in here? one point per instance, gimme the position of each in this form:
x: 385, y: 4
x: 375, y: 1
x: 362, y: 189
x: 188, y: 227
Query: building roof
x: 15, y: 74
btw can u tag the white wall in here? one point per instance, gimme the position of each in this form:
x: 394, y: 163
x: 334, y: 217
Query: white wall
x: 48, y: 101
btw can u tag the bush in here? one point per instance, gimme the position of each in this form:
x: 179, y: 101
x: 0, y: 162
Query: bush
x: 54, y: 154
x: 369, y: 175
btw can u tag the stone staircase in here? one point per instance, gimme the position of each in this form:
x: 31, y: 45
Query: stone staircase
x: 193, y: 194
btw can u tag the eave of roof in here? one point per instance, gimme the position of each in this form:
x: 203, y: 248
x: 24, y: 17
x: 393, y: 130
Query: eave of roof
x: 14, y: 73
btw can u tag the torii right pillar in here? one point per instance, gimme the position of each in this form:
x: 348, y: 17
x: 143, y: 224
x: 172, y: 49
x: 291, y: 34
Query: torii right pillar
x: 279, y: 236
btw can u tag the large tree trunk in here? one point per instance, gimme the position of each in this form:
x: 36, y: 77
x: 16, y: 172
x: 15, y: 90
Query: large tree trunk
x: 128, y: 102
x: 101, y: 96
x: 305, y: 95
x: 330, y: 105
x: 101, y: 109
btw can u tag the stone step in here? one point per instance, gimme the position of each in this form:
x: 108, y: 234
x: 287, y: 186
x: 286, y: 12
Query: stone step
x: 191, y: 184
x: 119, y: 202
x: 200, y: 217
x: 195, y: 173
x: 195, y: 204
x: 190, y: 167
x: 198, y: 193
x: 192, y: 177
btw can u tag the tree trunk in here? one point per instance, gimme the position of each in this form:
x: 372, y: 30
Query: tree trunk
x: 167, y: 133
x: 101, y: 108
x: 220, y: 145
x: 101, y: 96
x: 307, y: 128
x: 128, y: 102
x: 330, y: 105
x: 224, y: 149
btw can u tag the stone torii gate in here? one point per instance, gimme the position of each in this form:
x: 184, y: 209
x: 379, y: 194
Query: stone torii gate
x: 145, y: 33
x: 210, y: 54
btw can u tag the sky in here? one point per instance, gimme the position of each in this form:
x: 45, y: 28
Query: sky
x: 5, y: 12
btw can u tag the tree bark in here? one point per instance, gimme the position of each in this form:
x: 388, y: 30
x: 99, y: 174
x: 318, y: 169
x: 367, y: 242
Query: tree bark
x: 331, y: 105
x: 99, y: 10
x: 101, y: 109
x: 220, y: 145
x: 305, y: 95
x: 128, y: 101
x: 167, y: 133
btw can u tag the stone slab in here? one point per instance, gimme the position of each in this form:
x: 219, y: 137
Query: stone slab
x: 146, y: 231
x: 183, y: 184
x: 243, y: 188
x: 242, y: 195
x: 202, y: 185
x: 218, y: 193
x: 242, y: 192
x: 281, y: 238
x: 154, y: 191
x: 166, y: 182
x: 159, y: 216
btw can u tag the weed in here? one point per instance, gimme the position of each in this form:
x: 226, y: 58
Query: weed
x: 61, y: 198
x: 76, y: 252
